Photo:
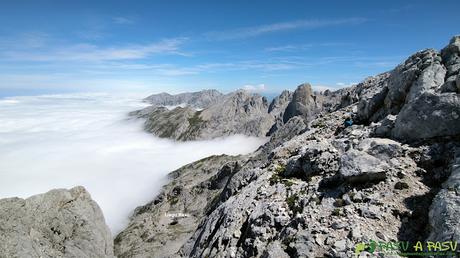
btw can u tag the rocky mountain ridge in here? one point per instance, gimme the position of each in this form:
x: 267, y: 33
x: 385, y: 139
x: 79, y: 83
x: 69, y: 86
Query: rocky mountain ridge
x: 239, y: 112
x: 200, y: 99
x: 316, y: 188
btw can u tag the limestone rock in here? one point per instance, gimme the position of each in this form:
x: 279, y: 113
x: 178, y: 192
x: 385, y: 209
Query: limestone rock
x: 451, y: 57
x: 360, y: 167
x: 314, y: 158
x: 59, y: 223
x: 277, y: 108
x: 303, y: 103
x: 445, y: 208
x: 385, y: 126
x: 430, y: 115
x: 457, y: 82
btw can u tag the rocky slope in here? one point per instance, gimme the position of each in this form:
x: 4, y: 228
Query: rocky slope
x: 59, y: 223
x: 316, y: 189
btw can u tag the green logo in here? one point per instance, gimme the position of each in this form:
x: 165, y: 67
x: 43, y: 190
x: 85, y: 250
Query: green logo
x: 404, y: 248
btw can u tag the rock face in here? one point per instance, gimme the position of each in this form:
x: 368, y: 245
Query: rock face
x: 302, y: 104
x: 317, y: 188
x: 59, y: 223
x: 445, y: 210
x: 421, y: 93
x: 200, y: 99
x: 430, y: 115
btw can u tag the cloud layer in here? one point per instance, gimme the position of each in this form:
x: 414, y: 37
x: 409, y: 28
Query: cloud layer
x: 60, y: 141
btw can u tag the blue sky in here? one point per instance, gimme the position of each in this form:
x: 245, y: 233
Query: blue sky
x: 265, y: 46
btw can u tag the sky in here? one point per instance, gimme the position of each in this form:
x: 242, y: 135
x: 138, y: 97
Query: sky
x: 176, y: 46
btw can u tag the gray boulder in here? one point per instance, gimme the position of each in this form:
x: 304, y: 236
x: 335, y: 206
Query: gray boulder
x: 59, y: 223
x: 381, y: 148
x: 274, y: 250
x: 360, y: 167
x: 430, y: 115
x: 314, y: 158
x: 385, y: 126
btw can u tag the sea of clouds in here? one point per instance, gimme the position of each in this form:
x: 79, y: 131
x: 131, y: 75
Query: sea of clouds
x: 60, y: 141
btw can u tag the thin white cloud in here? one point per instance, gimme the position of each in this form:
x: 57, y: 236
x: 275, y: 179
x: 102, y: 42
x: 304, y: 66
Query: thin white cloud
x: 302, y: 47
x: 255, y: 88
x: 319, y: 87
x: 286, y: 48
x: 122, y: 20
x: 282, y: 26
x: 26, y: 40
x: 343, y: 84
x: 174, y: 70
x: 89, y: 52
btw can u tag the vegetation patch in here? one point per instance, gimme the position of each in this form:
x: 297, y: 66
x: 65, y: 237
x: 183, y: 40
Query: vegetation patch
x: 173, y: 200
x: 278, y: 178
x: 293, y: 204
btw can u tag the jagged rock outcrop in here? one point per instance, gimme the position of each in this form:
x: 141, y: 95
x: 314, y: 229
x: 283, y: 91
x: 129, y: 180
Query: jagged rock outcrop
x: 317, y: 188
x: 239, y: 113
x: 200, y: 99
x: 277, y: 108
x: 415, y: 97
x: 302, y: 103
x: 59, y: 223
x: 451, y: 60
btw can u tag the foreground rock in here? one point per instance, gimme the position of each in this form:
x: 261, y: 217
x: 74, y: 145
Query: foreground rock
x: 59, y: 223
